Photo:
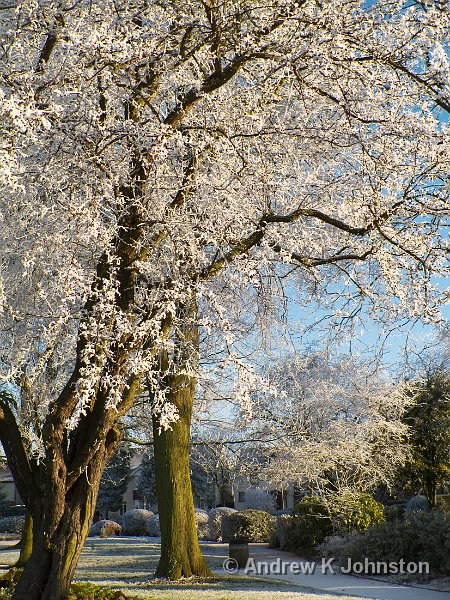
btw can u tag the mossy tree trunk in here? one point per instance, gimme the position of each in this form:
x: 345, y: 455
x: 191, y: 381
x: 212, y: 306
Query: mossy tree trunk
x: 59, y: 536
x: 180, y: 551
x: 26, y: 541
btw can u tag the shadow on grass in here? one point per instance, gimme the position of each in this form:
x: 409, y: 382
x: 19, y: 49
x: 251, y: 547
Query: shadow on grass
x: 131, y: 562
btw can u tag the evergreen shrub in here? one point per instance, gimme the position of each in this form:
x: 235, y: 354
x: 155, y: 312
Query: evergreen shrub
x: 105, y: 528
x: 309, y: 526
x: 134, y: 522
x: 215, y: 521
x: 357, y: 512
x: 421, y: 537
x: 417, y: 504
x: 247, y: 526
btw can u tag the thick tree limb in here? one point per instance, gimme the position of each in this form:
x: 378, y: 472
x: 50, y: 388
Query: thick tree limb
x: 256, y: 237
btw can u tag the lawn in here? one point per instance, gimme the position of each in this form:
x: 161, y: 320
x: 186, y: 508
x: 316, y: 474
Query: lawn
x: 127, y: 564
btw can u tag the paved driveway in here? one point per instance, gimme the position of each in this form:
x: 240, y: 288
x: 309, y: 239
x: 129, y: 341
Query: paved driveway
x: 324, y: 580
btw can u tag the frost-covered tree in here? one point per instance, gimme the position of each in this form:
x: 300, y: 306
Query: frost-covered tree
x: 160, y: 163
x: 333, y: 424
x: 218, y: 456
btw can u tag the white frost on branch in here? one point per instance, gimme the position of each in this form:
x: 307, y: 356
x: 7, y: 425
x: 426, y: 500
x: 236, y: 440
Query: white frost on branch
x: 153, y: 153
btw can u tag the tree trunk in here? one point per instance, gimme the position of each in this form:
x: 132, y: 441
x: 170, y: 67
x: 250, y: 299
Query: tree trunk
x: 430, y: 489
x: 180, y: 551
x: 26, y: 541
x: 49, y: 571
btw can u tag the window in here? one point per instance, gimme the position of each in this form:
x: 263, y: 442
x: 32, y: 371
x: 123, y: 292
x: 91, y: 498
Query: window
x: 241, y: 497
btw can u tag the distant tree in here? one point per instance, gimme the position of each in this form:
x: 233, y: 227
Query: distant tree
x: 330, y: 423
x: 222, y: 457
x: 113, y: 483
x: 202, y: 485
x: 146, y: 481
x: 4, y: 502
x: 429, y: 420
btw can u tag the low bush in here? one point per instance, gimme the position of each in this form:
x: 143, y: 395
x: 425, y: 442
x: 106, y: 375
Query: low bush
x: 89, y: 591
x: 247, y: 526
x: 421, y: 537
x: 78, y: 591
x: 116, y: 518
x: 417, y: 504
x: 134, y: 522
x: 105, y: 528
x: 153, y: 527
x: 309, y: 525
x: 215, y: 521
x: 285, y: 525
x: 395, y: 512
x: 12, y: 524
x: 335, y: 546
x: 202, y: 522
x: 357, y: 512
x: 14, y: 511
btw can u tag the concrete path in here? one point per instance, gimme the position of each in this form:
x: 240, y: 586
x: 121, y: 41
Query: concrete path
x: 322, y: 579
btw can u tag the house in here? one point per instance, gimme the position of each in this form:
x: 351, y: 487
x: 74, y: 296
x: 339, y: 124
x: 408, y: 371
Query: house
x: 132, y: 498
x: 8, y: 486
x: 261, y: 495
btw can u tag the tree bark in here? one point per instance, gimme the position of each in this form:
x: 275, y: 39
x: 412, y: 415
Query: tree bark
x: 430, y: 489
x: 180, y: 551
x: 58, y: 539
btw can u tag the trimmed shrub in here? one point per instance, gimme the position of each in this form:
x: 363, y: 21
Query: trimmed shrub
x: 153, y: 527
x: 301, y: 534
x: 309, y: 526
x: 247, y: 526
x: 421, y: 537
x: 105, y: 528
x: 134, y: 521
x: 274, y: 541
x: 357, y: 512
x: 202, y: 522
x: 335, y: 546
x: 116, y: 519
x: 417, y: 504
x: 215, y: 521
x: 12, y: 524
x: 285, y: 528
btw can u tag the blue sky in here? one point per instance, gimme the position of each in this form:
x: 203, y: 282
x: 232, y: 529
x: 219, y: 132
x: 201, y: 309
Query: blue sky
x: 368, y: 337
